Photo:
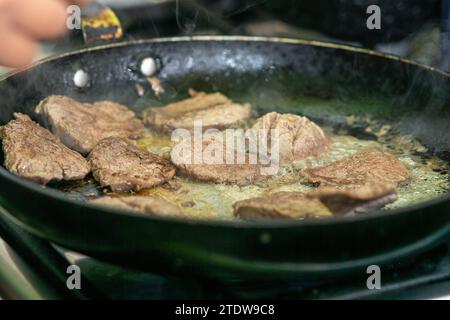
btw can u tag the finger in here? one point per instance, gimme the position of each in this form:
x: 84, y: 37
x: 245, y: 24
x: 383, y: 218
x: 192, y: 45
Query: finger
x: 40, y: 18
x: 78, y: 2
x: 18, y: 50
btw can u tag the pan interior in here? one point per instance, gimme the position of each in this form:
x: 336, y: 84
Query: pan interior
x: 200, y: 200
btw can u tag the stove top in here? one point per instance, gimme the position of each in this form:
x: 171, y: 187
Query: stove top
x: 31, y: 268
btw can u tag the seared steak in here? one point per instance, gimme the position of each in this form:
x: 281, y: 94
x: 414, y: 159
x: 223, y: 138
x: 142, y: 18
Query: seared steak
x: 80, y: 126
x: 32, y: 152
x: 120, y: 165
x: 298, y: 137
x: 149, y: 205
x: 368, y: 166
x: 281, y: 205
x: 208, y: 169
x: 351, y: 201
x: 214, y: 110
x: 319, y: 203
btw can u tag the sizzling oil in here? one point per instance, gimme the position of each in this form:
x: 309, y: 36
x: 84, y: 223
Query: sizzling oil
x: 200, y: 200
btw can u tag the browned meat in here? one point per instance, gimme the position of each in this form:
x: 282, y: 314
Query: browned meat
x: 122, y: 166
x: 80, y: 126
x: 281, y: 205
x: 149, y: 205
x: 219, y: 172
x: 368, y: 166
x: 299, y: 137
x: 32, y: 152
x: 350, y: 201
x: 319, y: 203
x: 214, y: 110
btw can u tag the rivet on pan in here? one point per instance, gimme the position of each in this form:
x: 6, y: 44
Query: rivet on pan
x: 148, y: 67
x: 81, y: 79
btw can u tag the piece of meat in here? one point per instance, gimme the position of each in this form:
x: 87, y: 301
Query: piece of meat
x: 80, y: 126
x: 322, y: 202
x: 353, y: 201
x: 281, y: 205
x: 206, y: 165
x: 150, y: 205
x: 214, y: 110
x: 32, y: 152
x: 298, y: 137
x: 368, y: 166
x: 120, y: 165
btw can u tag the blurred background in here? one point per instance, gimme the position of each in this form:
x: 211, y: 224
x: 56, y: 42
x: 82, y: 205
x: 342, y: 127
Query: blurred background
x: 417, y: 29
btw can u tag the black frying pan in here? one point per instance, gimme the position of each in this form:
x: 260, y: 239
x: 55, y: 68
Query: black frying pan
x: 273, y: 74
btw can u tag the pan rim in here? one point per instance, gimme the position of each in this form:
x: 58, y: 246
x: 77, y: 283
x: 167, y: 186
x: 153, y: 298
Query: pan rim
x: 254, y: 224
x: 237, y: 38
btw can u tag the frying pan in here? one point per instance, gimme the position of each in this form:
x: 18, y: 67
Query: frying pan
x: 325, y: 81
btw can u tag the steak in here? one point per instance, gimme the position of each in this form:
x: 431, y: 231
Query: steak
x: 368, y: 166
x: 120, y: 165
x: 281, y: 205
x: 80, y: 126
x: 214, y: 110
x: 212, y: 169
x: 298, y: 137
x: 32, y: 152
x: 353, y: 201
x: 149, y: 205
x: 323, y: 202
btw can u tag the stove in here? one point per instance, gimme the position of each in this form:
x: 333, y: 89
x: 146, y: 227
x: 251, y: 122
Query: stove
x: 32, y: 268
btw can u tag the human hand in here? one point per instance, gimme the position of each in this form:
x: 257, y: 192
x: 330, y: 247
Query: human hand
x: 24, y: 22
